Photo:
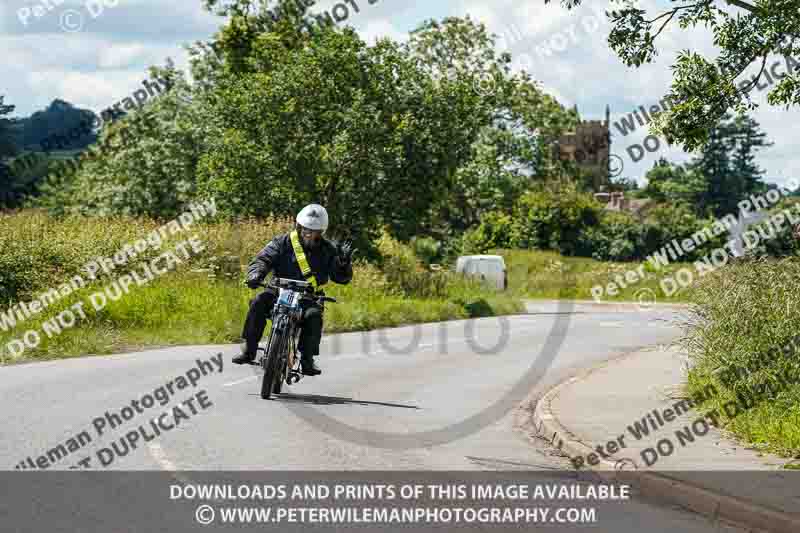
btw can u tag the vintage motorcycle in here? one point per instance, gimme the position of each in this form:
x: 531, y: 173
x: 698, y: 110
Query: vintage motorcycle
x: 280, y: 360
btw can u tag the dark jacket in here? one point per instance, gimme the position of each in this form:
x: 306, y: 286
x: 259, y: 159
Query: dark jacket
x: 278, y: 257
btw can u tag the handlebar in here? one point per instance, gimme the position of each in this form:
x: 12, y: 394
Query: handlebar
x: 291, y: 284
x: 298, y: 286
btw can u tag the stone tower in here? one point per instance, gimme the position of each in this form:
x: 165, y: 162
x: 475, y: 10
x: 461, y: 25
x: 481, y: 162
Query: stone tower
x: 589, y: 147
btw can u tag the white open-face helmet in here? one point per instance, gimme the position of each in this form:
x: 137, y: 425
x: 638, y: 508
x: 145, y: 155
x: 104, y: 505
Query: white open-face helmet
x: 313, y: 217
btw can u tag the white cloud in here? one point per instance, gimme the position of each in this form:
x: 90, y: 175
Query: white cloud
x: 372, y: 30
x: 71, y: 86
x: 108, y: 60
x: 120, y: 55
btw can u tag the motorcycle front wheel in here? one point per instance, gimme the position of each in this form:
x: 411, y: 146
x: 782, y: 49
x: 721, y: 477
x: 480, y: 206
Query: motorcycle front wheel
x: 272, y: 373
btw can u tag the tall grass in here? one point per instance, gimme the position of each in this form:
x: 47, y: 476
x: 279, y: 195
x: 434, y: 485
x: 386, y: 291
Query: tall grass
x: 542, y: 274
x: 743, y: 338
x: 203, y: 300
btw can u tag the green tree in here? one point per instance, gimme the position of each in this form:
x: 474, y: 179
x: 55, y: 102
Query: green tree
x: 714, y: 164
x: 749, y: 138
x: 358, y: 129
x: 7, y: 150
x: 727, y: 162
x: 722, y: 175
x: 494, y: 231
x: 515, y: 121
x: 553, y: 217
x: 380, y: 135
x: 668, y: 182
x: 509, y: 156
x: 623, y: 184
x: 142, y: 164
x: 7, y: 146
x: 745, y: 33
x: 616, y: 237
x: 61, y: 126
x: 676, y: 221
x: 278, y: 117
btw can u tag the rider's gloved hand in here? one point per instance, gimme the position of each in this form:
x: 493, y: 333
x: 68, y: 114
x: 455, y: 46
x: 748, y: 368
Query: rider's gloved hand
x: 346, y: 251
x: 254, y: 280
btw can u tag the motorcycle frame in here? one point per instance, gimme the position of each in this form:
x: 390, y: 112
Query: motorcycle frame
x: 286, y: 324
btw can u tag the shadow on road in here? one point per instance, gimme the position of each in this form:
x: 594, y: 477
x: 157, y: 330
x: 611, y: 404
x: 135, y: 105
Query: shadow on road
x: 316, y: 399
x: 504, y: 464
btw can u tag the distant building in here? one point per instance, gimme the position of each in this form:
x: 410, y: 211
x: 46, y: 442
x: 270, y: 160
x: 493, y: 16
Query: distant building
x: 589, y: 147
x: 616, y: 201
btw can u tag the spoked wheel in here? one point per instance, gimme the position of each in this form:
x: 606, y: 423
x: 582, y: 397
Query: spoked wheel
x: 288, y: 373
x: 272, y: 373
x: 276, y: 389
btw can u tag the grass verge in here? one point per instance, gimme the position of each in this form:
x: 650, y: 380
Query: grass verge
x: 541, y: 274
x: 203, y: 301
x: 743, y: 339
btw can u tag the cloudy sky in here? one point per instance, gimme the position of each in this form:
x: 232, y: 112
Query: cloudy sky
x: 93, y: 53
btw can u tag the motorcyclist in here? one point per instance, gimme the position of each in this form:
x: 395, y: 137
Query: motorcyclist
x: 326, y: 261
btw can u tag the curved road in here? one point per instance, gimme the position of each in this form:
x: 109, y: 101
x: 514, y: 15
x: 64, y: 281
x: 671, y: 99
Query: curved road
x: 418, y: 384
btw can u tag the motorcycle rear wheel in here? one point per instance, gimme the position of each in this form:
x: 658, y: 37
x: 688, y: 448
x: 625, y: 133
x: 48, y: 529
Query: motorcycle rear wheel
x: 281, y: 375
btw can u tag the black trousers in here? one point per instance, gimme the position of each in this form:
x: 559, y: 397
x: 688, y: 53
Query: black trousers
x: 256, y: 322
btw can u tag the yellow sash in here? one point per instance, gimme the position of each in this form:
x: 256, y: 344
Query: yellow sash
x: 301, y: 259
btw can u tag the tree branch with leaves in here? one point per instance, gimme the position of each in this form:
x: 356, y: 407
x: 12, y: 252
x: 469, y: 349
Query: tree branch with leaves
x: 705, y: 88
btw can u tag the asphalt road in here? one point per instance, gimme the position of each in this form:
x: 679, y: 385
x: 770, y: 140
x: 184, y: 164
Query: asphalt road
x: 411, y: 398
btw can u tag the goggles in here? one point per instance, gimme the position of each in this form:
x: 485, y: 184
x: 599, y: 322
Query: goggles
x: 310, y: 233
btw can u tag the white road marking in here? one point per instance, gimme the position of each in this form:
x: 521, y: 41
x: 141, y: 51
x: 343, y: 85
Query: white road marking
x: 357, y: 355
x: 157, y: 453
x: 230, y: 384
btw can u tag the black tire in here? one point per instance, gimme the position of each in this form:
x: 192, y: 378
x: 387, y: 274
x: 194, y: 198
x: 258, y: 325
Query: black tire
x: 272, y: 373
x: 276, y: 389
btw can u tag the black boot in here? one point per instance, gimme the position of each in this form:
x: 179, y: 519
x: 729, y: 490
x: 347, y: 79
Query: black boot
x: 310, y: 367
x: 247, y: 357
